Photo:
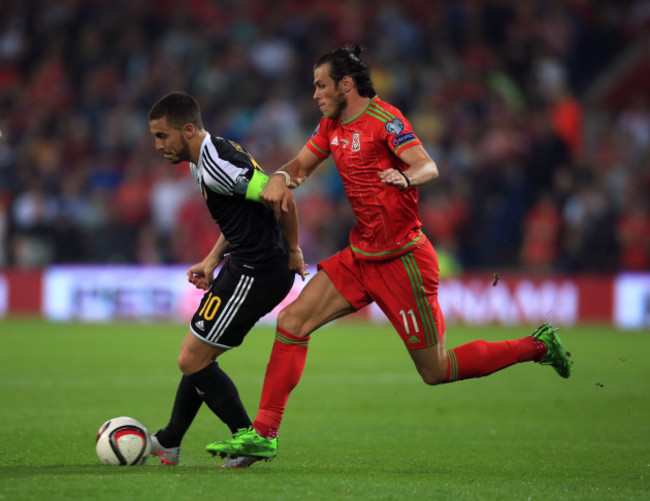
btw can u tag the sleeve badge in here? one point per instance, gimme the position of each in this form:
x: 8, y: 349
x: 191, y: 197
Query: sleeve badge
x: 395, y: 126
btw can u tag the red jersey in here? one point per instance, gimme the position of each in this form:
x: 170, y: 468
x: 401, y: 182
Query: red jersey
x: 387, y: 220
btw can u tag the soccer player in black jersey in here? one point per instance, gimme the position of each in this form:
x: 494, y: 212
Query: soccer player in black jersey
x: 264, y: 257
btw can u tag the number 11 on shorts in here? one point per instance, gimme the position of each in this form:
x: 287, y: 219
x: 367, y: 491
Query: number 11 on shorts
x: 406, y: 322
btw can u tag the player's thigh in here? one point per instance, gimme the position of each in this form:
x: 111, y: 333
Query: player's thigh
x: 406, y: 290
x: 235, y: 302
x: 319, y: 302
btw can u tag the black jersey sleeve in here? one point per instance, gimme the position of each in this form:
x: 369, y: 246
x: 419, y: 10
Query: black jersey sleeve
x: 252, y: 187
x: 228, y: 169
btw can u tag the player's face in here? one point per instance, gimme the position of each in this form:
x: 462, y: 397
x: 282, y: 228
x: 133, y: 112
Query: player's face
x: 331, y: 100
x: 170, y: 141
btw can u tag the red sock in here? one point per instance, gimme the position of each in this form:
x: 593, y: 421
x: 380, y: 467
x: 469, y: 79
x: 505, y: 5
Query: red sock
x: 282, y: 375
x: 480, y: 358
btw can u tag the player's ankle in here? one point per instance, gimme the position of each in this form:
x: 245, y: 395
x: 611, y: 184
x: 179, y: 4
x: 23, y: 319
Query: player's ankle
x: 264, y: 430
x: 168, y: 439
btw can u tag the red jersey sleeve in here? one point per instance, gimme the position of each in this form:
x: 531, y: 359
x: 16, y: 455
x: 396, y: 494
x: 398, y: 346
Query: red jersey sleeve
x: 319, y: 143
x: 398, y: 134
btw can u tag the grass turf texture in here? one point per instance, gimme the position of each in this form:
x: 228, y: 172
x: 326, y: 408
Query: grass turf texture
x: 361, y: 425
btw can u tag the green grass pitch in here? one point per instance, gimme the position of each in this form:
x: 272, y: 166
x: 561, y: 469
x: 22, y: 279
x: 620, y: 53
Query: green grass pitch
x: 360, y: 426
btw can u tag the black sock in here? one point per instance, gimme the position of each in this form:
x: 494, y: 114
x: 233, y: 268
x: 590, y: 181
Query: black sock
x: 221, y: 396
x: 186, y: 405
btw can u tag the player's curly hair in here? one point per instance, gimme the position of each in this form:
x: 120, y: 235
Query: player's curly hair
x: 347, y: 61
x: 179, y: 108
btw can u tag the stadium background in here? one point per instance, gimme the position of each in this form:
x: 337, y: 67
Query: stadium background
x: 536, y: 112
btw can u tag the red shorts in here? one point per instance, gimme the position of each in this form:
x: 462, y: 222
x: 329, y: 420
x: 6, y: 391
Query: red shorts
x: 405, y: 288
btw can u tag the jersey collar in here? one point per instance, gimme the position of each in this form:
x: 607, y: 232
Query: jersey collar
x: 204, y: 144
x: 361, y: 112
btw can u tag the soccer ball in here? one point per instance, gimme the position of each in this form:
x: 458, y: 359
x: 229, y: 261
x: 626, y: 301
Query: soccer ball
x: 123, y: 441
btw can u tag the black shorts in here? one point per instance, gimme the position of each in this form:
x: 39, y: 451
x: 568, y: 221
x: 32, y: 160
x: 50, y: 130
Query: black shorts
x: 237, y: 299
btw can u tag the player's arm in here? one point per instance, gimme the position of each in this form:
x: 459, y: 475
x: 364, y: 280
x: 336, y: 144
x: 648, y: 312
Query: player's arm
x: 421, y: 169
x: 202, y: 274
x: 275, y: 194
x: 288, y: 221
x: 289, y: 224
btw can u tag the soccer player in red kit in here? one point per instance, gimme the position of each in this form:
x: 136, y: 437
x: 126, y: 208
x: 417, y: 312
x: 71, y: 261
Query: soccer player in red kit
x: 389, y: 260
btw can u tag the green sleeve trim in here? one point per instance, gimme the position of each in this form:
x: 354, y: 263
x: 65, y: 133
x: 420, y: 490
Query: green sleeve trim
x: 323, y: 152
x: 255, y: 185
x: 407, y: 144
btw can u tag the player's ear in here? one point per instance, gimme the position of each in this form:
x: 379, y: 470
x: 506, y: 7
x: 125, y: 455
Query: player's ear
x: 188, y: 130
x: 348, y: 83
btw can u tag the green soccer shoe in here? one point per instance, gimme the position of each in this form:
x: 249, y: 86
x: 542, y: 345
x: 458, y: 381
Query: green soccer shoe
x: 246, y: 442
x: 241, y: 462
x: 556, y: 356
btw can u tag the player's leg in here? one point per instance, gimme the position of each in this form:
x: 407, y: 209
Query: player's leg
x: 333, y: 292
x: 480, y: 358
x: 475, y: 359
x: 431, y: 362
x: 318, y: 303
x: 235, y: 302
x: 406, y: 289
x: 252, y: 298
x: 225, y: 315
x: 166, y: 442
x: 195, y: 355
x: 203, y: 380
x: 198, y: 362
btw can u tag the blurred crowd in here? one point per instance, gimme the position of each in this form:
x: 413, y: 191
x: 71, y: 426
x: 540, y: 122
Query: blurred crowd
x: 539, y: 171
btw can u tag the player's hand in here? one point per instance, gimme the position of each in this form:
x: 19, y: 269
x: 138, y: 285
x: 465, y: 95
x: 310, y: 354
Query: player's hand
x: 393, y: 177
x: 297, y: 264
x: 201, y: 276
x: 276, y: 196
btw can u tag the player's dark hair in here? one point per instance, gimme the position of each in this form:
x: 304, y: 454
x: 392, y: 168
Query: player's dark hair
x: 347, y: 61
x: 179, y: 108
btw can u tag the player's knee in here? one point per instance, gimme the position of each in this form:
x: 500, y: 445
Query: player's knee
x: 289, y: 321
x: 187, y: 363
x: 182, y: 363
x: 433, y: 380
x: 433, y: 377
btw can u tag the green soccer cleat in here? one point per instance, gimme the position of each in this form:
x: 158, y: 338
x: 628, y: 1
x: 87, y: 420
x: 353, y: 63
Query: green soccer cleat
x: 556, y: 356
x: 241, y: 462
x: 246, y: 442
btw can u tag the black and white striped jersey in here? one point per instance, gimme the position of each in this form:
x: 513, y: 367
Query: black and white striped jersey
x: 223, y: 172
